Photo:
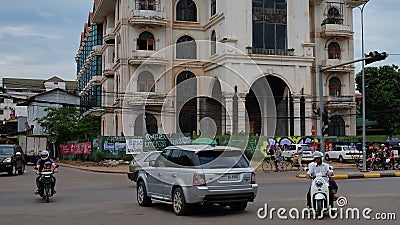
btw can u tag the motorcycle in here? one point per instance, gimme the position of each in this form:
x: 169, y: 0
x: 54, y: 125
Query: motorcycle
x: 46, y: 178
x: 320, y: 195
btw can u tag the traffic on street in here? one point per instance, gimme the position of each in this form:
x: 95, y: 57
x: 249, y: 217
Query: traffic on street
x: 85, y: 197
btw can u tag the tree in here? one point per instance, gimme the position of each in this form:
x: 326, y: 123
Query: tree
x: 67, y: 124
x: 382, y: 88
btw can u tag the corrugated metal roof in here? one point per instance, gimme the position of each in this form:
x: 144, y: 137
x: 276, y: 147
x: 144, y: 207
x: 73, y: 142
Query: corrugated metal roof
x: 35, y: 84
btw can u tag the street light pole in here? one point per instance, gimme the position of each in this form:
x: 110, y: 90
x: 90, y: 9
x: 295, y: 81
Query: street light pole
x: 363, y: 90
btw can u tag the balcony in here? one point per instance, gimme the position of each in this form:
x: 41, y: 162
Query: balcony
x: 109, y: 37
x: 355, y: 3
x: 148, y: 17
x: 332, y: 62
x: 108, y: 70
x: 334, y: 24
x: 97, y: 49
x: 147, y: 57
x: 148, y: 98
x: 339, y: 101
x: 336, y: 30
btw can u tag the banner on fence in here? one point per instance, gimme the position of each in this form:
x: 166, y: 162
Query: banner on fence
x: 134, y: 146
x: 76, y: 148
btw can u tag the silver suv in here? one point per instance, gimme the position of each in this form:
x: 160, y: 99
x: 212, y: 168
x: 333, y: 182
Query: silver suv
x: 198, y: 174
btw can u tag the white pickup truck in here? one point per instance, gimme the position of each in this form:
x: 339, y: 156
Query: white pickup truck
x: 342, y: 153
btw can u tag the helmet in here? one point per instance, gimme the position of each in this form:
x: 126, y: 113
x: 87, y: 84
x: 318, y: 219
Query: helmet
x: 317, y: 155
x: 44, y: 155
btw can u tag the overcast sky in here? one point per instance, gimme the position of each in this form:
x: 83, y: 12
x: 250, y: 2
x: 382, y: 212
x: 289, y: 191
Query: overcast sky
x: 39, y: 39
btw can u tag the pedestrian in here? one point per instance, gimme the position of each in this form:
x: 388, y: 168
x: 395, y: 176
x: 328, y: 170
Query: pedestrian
x: 298, y: 156
x: 278, y: 157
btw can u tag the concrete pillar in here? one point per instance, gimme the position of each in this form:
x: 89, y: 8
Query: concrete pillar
x: 296, y: 108
x: 242, y: 115
x: 229, y: 112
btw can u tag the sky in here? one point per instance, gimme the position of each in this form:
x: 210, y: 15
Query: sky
x: 39, y: 39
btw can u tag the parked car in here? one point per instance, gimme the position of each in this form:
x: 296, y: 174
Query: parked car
x: 343, y: 153
x: 139, y: 161
x: 292, y: 149
x: 12, y: 159
x: 198, y: 174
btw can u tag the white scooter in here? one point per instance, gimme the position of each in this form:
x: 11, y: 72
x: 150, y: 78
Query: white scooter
x: 320, y: 196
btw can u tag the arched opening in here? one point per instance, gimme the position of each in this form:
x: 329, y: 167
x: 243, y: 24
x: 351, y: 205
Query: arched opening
x: 186, y: 102
x: 145, y: 82
x: 186, y: 10
x: 335, y: 87
x: 186, y: 48
x: 266, y: 117
x: 151, y: 125
x: 146, y: 41
x: 212, y: 110
x: 337, y: 126
x: 334, y: 50
x: 213, y: 43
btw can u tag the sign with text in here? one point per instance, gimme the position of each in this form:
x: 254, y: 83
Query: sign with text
x: 134, y: 146
x: 76, y: 148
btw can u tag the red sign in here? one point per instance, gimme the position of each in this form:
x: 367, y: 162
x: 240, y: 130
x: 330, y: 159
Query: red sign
x: 313, y: 130
x: 76, y: 148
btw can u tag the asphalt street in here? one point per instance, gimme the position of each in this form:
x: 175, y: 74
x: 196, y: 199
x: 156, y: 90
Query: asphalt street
x: 96, y: 198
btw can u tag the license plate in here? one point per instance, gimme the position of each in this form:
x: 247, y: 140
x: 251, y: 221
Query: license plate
x: 229, y: 177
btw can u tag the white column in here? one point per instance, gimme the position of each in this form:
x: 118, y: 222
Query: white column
x: 242, y: 117
x: 229, y: 112
x: 296, y: 110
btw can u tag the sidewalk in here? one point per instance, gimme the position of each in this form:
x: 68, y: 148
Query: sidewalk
x: 120, y: 169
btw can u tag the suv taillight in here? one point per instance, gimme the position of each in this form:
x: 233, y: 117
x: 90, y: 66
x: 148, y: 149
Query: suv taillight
x: 253, y: 178
x: 199, y: 179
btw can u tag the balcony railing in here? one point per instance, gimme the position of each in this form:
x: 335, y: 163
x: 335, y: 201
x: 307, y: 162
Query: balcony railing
x: 148, y: 12
x: 339, y: 99
x: 264, y: 51
x: 142, y: 56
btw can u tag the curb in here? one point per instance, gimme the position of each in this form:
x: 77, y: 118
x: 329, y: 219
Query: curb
x: 359, y: 175
x: 91, y: 170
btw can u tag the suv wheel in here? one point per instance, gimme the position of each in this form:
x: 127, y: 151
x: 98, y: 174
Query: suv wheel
x: 142, y: 197
x: 341, y: 160
x: 22, y: 170
x: 327, y: 157
x: 239, y: 206
x: 178, y: 202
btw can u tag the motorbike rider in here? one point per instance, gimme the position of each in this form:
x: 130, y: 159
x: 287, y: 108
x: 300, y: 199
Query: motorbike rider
x: 318, y: 166
x: 43, y: 165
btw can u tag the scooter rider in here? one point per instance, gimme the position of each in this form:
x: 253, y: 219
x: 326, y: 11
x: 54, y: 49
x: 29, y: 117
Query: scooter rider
x: 320, y: 167
x: 44, y: 159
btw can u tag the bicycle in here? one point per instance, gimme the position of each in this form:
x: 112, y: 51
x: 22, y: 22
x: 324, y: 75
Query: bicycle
x: 268, y: 164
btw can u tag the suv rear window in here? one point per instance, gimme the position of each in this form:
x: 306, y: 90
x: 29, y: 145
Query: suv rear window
x: 222, y: 159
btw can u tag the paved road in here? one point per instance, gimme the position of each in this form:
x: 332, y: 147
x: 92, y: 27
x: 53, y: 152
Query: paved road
x: 94, y: 198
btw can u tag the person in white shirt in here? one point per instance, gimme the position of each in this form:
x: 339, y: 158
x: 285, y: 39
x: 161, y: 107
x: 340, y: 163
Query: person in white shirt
x: 318, y: 166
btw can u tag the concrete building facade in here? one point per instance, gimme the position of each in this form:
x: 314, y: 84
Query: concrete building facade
x: 224, y: 66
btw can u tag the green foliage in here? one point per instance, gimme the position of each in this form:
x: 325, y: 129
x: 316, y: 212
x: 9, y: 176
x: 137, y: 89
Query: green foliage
x: 67, y: 124
x: 382, y: 87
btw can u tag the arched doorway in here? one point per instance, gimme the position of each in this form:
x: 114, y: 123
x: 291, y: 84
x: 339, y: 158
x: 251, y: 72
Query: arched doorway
x: 211, y: 108
x: 151, y: 125
x: 186, y: 102
x: 269, y: 111
x: 337, y: 126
